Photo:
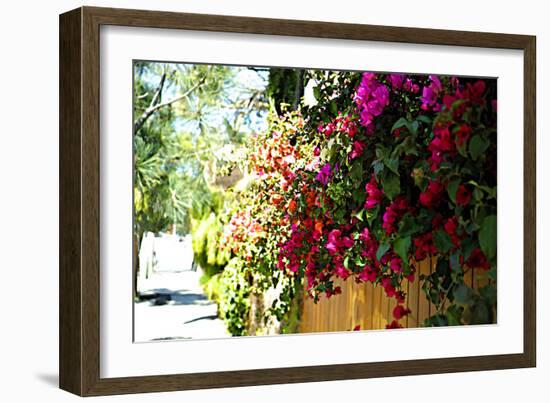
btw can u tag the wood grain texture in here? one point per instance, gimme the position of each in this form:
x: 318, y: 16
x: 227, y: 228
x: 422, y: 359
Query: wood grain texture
x: 344, y: 312
x: 79, y: 200
x: 70, y: 273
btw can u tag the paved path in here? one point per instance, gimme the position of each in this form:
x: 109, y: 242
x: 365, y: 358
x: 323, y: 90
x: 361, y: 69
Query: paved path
x: 178, y: 310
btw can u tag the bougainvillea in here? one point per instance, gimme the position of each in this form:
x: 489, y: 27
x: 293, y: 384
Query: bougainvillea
x: 382, y: 172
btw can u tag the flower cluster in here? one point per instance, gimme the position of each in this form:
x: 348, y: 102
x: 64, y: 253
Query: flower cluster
x: 371, y: 98
x: 374, y: 180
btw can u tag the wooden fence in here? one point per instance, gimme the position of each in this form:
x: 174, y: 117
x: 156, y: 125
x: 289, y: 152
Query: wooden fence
x: 368, y: 307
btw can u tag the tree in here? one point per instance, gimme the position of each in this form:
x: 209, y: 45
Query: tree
x: 189, y: 122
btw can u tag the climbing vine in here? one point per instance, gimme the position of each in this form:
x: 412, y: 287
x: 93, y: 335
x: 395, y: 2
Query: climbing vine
x: 369, y: 176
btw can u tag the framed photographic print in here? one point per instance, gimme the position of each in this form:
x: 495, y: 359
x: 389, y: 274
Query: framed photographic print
x: 250, y: 201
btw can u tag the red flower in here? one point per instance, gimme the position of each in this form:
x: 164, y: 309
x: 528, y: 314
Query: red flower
x: 341, y: 272
x: 463, y: 196
x: 463, y: 134
x: 431, y: 196
x: 394, y: 212
x: 394, y: 325
x: 395, y: 264
x: 478, y: 260
x: 368, y: 274
x: 388, y: 287
x: 450, y: 227
x: 399, y: 311
x: 292, y: 206
x: 357, y: 150
x: 424, y: 246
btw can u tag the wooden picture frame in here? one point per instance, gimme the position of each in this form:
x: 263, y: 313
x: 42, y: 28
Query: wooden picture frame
x: 79, y: 280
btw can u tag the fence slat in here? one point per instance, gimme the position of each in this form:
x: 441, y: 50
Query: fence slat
x: 367, y: 306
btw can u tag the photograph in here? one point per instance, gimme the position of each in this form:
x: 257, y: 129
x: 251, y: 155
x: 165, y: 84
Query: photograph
x: 271, y: 201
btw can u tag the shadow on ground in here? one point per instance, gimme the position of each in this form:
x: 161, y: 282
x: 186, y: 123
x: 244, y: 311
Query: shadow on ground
x: 49, y: 379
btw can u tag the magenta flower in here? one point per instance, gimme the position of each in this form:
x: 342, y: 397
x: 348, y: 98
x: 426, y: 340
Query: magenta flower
x: 430, y: 93
x: 371, y: 97
x: 324, y: 174
x: 374, y: 194
x: 395, y: 264
x: 334, y: 241
x: 393, y: 213
x: 347, y: 242
x: 341, y: 272
x: 396, y: 80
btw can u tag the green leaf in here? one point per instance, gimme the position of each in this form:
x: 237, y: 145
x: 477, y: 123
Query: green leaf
x: 480, y: 314
x: 392, y: 164
x: 356, y: 171
x: 382, y: 152
x: 346, y: 262
x: 382, y: 249
x: 391, y: 185
x: 409, y: 145
x: 424, y: 119
x: 401, y: 122
x: 409, y: 226
x: 453, y: 315
x: 463, y: 294
x: 413, y: 127
x: 359, y: 215
x: 488, y: 236
x: 478, y: 145
x: 372, y: 214
x: 489, y: 293
x: 378, y: 167
x: 333, y: 108
x: 452, y: 187
x: 401, y: 246
x: 442, y: 267
x: 442, y: 241
x: 468, y: 245
x: 455, y: 261
x: 436, y: 321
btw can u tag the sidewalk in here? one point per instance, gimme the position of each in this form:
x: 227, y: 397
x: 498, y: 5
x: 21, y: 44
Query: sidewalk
x: 178, y: 309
